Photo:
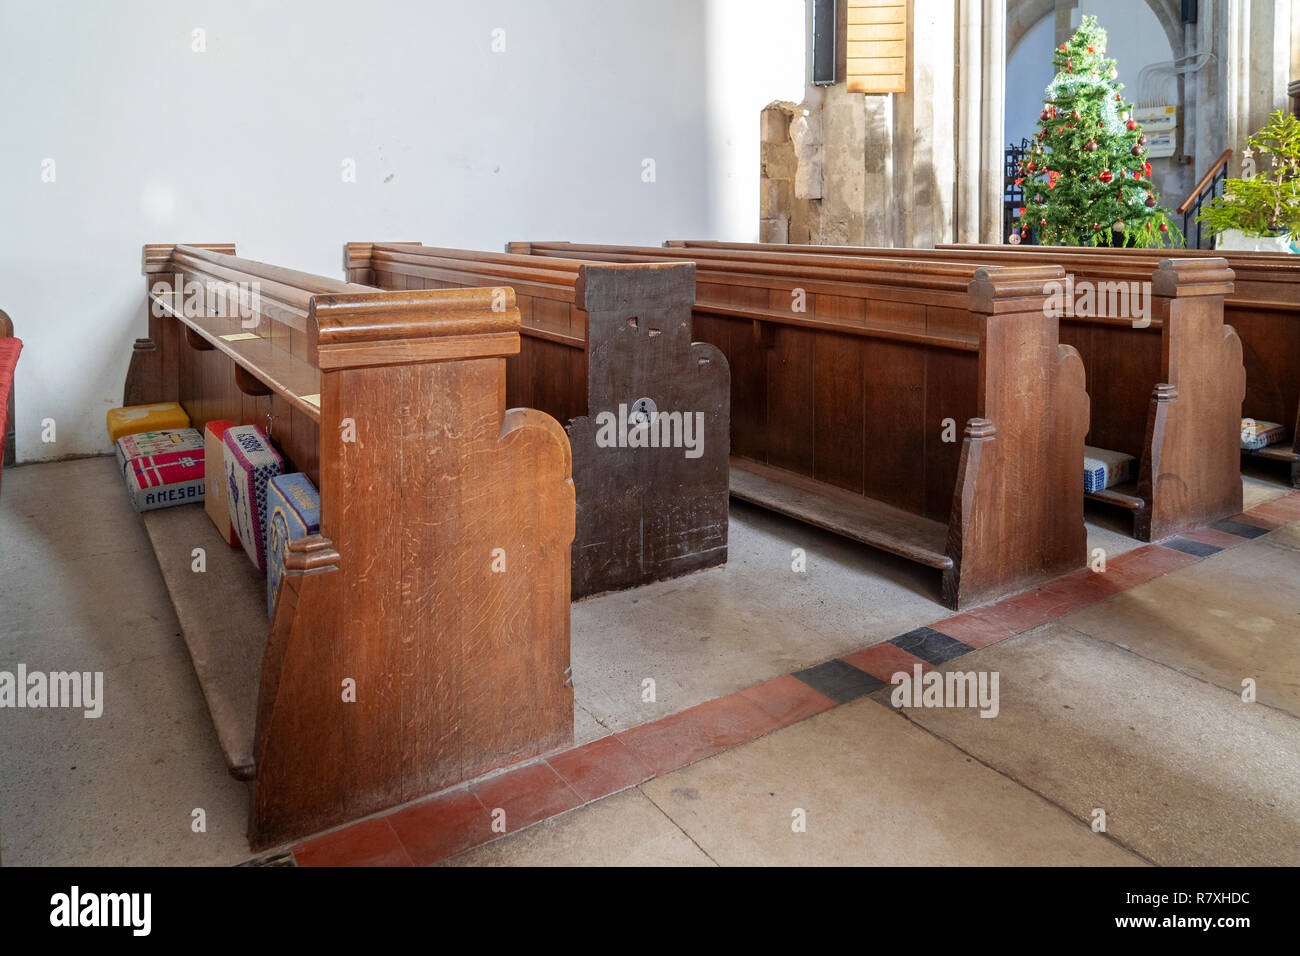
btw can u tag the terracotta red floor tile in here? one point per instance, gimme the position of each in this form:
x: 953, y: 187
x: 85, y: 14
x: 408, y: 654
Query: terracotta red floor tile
x: 884, y: 660
x: 1220, y: 539
x: 1138, y: 567
x: 600, y: 768
x: 787, y: 699
x: 978, y: 628
x: 1284, y: 510
x: 1024, y: 612
x: 368, y: 843
x: 1084, y: 585
x: 527, y: 795
x: 433, y: 830
x: 699, y: 732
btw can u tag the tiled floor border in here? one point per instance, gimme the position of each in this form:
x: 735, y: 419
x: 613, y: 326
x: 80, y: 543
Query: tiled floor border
x: 436, y: 827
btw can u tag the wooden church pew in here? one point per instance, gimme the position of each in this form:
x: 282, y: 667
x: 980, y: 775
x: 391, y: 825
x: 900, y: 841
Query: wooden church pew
x: 1169, y: 393
x: 438, y: 587
x: 929, y: 412
x: 597, y: 338
x: 1264, y: 308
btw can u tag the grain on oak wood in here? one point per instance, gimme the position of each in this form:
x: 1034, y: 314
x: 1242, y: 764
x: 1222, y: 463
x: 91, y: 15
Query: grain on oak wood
x: 597, y: 337
x: 439, y: 583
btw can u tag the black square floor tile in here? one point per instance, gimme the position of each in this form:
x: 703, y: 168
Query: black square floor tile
x: 839, y: 681
x: 931, y: 646
x: 1239, y: 528
x: 1188, y: 546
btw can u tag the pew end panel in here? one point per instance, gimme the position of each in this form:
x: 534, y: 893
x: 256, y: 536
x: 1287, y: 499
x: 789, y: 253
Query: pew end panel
x: 1017, y: 517
x: 1191, y: 467
x: 601, y: 341
x: 422, y: 637
x: 660, y: 511
x: 411, y: 569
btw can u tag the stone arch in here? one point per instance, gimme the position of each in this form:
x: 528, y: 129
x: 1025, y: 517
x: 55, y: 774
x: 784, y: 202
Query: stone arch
x: 1022, y: 15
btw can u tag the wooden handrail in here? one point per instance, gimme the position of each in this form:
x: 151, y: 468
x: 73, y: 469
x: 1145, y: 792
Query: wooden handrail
x: 1204, y: 181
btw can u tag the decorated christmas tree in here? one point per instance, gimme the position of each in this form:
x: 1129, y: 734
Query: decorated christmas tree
x: 1086, y: 177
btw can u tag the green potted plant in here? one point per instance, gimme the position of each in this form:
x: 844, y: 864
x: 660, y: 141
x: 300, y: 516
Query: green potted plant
x: 1267, y: 203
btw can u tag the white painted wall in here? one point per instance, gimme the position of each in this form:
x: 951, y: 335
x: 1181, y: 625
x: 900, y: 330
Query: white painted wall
x: 454, y: 145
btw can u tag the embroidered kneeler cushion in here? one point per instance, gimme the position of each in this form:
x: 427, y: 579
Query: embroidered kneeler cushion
x: 251, y: 462
x: 293, y: 511
x: 155, y: 443
x: 1103, y: 468
x: 214, y: 500
x: 134, y: 419
x: 166, y: 479
x: 1256, y: 434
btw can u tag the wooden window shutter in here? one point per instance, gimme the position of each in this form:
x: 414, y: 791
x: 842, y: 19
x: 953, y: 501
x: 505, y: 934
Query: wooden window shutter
x: 877, y: 46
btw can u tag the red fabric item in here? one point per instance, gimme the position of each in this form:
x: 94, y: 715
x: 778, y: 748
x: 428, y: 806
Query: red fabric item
x: 9, y: 349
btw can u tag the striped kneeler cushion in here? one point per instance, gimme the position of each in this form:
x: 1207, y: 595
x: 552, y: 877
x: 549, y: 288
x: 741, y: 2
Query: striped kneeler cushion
x: 251, y: 462
x: 293, y: 511
x: 1256, y: 434
x: 1103, y: 468
x: 157, y: 443
x: 165, y: 479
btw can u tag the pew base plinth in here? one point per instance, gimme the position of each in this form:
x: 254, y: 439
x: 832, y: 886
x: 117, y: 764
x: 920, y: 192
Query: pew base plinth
x: 1121, y: 496
x: 836, y: 509
x: 222, y: 613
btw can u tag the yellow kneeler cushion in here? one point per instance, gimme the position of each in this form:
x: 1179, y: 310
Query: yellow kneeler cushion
x: 134, y: 419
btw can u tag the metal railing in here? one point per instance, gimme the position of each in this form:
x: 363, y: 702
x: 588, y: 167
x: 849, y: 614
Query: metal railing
x: 1207, y: 187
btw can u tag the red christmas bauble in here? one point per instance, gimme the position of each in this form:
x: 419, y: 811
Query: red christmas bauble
x: 1150, y: 201
x: 1163, y: 227
x: 1042, y: 222
x: 1106, y: 176
x: 1090, y: 146
x: 1131, y: 124
x: 1136, y: 150
x: 1142, y: 140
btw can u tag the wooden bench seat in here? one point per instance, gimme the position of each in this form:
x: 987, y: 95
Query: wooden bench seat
x: 928, y: 411
x: 394, y: 404
x: 595, y: 339
x: 1169, y: 393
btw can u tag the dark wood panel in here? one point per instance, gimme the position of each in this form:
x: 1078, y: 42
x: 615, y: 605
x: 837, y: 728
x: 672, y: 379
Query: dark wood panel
x: 597, y: 339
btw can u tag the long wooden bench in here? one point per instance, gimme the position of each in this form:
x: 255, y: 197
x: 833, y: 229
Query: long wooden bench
x: 10, y: 348
x: 436, y: 594
x: 1165, y: 388
x: 849, y: 415
x: 598, y: 342
x: 1263, y: 307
